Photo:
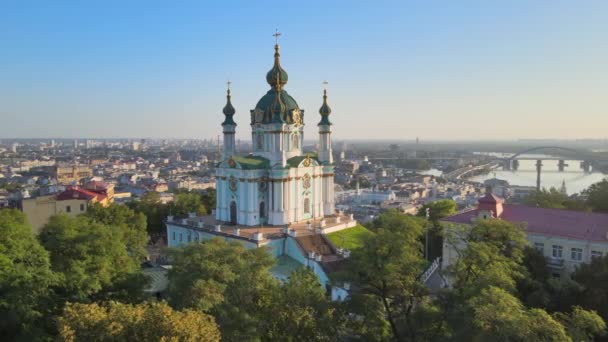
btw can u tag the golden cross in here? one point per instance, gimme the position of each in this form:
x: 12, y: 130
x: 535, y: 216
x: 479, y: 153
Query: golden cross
x: 276, y: 36
x: 325, y: 83
x: 228, y: 83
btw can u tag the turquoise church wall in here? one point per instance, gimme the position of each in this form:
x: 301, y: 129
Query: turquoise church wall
x: 276, y: 247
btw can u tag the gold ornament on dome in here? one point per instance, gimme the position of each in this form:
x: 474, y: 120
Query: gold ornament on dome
x: 307, y: 161
x: 231, y: 163
x: 297, y: 117
x: 232, y: 183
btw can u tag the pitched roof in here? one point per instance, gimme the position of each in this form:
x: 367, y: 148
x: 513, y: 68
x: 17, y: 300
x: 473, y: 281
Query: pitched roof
x: 554, y: 222
x: 252, y: 162
x: 79, y: 193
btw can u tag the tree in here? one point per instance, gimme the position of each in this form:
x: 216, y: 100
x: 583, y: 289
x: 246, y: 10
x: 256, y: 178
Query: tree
x: 301, y: 311
x: 154, y: 210
x: 491, y: 268
x: 25, y: 277
x: 385, y: 273
x: 597, y: 196
x: 143, y: 322
x: 89, y: 257
x: 186, y: 203
x: 226, y: 280
x: 490, y: 252
x: 437, y: 210
x: 129, y: 226
x: 582, y: 325
x: 593, y: 278
x: 554, y: 199
x: 498, y: 315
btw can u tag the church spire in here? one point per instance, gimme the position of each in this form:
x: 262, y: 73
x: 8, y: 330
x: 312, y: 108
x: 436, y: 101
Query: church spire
x: 325, y: 110
x: 228, y: 108
x: 276, y: 77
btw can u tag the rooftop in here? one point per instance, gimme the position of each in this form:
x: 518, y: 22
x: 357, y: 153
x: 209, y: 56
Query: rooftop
x: 252, y: 162
x: 554, y: 222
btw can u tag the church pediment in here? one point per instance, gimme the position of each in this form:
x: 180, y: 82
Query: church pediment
x: 303, y: 161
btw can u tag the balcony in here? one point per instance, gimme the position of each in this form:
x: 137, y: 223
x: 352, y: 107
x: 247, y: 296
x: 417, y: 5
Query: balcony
x: 555, y: 263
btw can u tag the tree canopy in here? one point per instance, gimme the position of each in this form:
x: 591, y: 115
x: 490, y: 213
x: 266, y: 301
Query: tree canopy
x: 26, y: 278
x: 90, y: 257
x: 554, y: 199
x: 597, y: 196
x: 143, y: 322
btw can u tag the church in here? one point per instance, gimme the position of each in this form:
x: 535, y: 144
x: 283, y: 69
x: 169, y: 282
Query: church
x: 277, y: 197
x: 277, y: 184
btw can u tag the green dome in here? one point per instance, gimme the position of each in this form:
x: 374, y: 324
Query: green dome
x: 325, y: 110
x: 276, y: 75
x: 277, y: 107
x: 228, y: 111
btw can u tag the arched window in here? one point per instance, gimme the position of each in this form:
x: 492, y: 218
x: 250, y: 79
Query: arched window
x: 306, y: 206
x: 260, y: 142
x: 295, y: 141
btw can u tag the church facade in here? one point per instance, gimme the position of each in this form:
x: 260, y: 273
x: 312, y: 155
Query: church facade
x: 277, y: 184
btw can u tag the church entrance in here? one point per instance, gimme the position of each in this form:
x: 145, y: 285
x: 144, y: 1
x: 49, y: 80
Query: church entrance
x: 307, y: 211
x: 262, y: 212
x: 233, y: 212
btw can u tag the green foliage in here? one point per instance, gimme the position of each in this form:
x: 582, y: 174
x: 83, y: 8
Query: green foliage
x: 498, y: 315
x: 593, y: 278
x: 144, y: 322
x: 129, y: 226
x: 301, y: 311
x: 351, y: 238
x: 438, y: 209
x: 554, y: 199
x: 185, y: 202
x: 494, y: 265
x: 25, y: 277
x: 493, y: 255
x: 155, y: 211
x: 582, y: 325
x: 225, y: 279
x: 385, y: 271
x: 88, y: 255
x: 597, y: 196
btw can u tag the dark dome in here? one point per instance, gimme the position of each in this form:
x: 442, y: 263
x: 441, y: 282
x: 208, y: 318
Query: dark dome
x: 277, y: 109
x: 276, y: 75
x: 228, y: 111
x: 325, y: 110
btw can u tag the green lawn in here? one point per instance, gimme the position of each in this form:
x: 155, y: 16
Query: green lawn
x: 350, y: 238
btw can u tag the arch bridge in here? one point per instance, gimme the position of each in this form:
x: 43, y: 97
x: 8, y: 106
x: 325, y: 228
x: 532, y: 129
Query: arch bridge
x: 512, y: 162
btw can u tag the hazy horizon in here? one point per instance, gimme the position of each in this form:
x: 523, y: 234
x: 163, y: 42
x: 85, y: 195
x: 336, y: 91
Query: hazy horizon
x: 446, y: 71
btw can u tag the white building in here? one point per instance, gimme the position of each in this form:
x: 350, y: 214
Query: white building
x: 566, y: 238
x: 277, y: 184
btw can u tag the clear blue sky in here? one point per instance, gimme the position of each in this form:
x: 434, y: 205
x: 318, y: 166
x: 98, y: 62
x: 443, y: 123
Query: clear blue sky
x: 434, y: 69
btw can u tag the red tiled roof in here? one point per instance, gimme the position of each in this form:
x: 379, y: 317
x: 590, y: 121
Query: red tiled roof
x: 554, y: 222
x: 79, y: 193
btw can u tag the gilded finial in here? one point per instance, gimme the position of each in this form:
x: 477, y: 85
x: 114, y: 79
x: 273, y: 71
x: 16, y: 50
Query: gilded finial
x: 276, y: 73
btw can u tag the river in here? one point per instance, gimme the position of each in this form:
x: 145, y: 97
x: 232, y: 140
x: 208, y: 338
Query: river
x: 576, y: 180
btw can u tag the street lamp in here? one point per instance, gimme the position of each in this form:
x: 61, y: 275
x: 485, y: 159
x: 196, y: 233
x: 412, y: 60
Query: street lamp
x: 426, y: 239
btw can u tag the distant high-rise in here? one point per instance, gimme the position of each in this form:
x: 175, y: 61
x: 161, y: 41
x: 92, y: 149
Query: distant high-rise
x: 75, y: 144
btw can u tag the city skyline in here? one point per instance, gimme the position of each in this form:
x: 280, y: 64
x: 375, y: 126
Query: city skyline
x: 466, y: 71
